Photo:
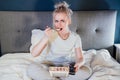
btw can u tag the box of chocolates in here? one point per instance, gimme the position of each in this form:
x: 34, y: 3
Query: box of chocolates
x: 59, y: 71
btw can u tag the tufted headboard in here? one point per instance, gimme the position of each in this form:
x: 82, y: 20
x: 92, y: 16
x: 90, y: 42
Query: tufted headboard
x: 96, y: 28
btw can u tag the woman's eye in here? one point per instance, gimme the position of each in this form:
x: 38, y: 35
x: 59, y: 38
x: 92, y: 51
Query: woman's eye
x: 62, y: 20
x: 56, y: 20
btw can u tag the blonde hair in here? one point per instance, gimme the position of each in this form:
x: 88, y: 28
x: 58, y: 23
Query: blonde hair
x: 62, y: 7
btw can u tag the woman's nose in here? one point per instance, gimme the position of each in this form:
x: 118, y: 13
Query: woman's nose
x: 59, y: 23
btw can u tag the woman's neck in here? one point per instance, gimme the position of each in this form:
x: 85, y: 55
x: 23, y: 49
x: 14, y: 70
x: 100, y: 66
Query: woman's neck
x: 64, y: 35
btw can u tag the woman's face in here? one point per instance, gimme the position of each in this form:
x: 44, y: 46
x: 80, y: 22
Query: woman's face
x: 61, y: 22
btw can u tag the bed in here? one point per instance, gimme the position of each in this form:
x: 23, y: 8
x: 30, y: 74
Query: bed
x: 96, y: 28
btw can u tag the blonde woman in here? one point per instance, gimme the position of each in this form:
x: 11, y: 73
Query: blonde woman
x: 64, y: 44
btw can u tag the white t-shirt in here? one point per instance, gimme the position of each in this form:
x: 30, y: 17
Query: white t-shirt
x: 59, y: 50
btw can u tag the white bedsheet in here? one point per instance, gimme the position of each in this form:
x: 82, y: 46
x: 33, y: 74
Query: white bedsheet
x: 13, y: 66
x: 104, y: 66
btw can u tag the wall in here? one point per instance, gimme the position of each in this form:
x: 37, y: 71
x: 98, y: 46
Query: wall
x: 40, y: 5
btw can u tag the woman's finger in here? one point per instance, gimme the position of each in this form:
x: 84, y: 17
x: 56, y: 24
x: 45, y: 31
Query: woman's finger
x: 76, y: 67
x: 47, y: 28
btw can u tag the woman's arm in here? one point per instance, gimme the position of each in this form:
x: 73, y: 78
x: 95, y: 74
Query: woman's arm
x: 79, y: 58
x: 39, y: 47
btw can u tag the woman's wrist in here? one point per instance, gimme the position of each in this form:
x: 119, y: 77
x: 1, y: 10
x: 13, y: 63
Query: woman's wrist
x: 80, y: 62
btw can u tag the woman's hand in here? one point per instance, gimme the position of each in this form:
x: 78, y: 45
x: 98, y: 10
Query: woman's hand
x: 48, y: 32
x: 77, y: 66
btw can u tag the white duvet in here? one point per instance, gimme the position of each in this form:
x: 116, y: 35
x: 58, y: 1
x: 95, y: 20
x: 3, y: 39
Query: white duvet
x: 13, y: 66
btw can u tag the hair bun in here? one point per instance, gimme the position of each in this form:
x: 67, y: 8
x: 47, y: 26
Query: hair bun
x: 64, y: 8
x: 61, y: 5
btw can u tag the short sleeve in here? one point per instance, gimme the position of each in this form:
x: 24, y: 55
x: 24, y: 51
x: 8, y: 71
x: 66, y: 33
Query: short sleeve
x: 78, y: 42
x: 36, y: 36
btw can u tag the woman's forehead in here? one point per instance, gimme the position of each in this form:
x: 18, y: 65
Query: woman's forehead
x: 60, y: 16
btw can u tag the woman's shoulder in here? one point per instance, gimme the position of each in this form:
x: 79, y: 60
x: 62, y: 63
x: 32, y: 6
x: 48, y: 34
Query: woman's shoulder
x: 74, y: 34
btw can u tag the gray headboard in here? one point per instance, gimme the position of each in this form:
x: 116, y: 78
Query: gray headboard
x: 96, y: 28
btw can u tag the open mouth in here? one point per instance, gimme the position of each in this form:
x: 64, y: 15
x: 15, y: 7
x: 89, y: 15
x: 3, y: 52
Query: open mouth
x: 59, y: 29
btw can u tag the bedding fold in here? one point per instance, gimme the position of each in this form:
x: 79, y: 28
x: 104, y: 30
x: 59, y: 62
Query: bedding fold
x: 103, y: 66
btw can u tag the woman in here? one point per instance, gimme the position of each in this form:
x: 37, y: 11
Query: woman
x: 61, y: 46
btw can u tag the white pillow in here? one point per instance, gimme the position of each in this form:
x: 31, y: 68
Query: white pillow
x: 35, y: 38
x: 37, y: 35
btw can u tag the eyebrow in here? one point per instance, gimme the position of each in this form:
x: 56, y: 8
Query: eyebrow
x: 60, y: 20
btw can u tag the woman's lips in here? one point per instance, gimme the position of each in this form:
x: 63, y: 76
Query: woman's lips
x: 58, y: 29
